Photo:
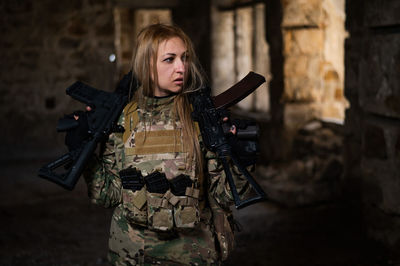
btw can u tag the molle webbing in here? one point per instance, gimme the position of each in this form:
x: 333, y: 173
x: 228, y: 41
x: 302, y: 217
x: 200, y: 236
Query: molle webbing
x: 154, y: 142
x: 149, y: 142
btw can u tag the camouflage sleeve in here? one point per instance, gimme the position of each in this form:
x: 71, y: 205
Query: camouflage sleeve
x: 219, y: 186
x: 104, y: 184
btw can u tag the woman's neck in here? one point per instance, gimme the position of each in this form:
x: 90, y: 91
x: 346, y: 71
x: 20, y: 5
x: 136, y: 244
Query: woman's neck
x: 163, y: 97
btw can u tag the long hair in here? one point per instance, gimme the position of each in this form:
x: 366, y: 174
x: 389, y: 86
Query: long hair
x: 144, y: 66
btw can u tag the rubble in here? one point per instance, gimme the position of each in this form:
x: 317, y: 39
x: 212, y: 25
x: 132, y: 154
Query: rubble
x: 313, y: 173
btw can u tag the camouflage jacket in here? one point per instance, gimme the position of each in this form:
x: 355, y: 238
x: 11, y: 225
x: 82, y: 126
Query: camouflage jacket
x: 146, y: 228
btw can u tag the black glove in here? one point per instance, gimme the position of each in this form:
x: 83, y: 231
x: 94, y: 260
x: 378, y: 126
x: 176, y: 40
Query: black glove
x: 77, y: 129
x: 244, y: 142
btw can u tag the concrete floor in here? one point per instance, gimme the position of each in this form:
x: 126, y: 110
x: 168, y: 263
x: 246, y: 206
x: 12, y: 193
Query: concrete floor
x: 43, y: 224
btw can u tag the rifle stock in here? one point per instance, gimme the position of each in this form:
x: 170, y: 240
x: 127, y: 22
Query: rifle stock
x: 70, y: 176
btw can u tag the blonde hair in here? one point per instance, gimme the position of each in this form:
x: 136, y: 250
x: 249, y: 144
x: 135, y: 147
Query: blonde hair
x: 144, y: 66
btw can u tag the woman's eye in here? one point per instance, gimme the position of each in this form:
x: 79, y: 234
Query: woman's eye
x: 169, y: 59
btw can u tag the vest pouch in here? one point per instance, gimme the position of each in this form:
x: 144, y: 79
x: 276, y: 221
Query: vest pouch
x: 159, y: 212
x: 134, y: 206
x: 186, y: 212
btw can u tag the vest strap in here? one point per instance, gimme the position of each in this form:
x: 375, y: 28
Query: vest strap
x: 131, y: 119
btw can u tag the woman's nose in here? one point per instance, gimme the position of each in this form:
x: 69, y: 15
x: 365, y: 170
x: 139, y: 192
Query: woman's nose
x: 180, y: 66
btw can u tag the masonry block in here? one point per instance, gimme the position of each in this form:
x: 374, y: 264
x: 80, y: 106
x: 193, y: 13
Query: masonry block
x: 382, y: 13
x: 379, y: 75
x: 374, y: 143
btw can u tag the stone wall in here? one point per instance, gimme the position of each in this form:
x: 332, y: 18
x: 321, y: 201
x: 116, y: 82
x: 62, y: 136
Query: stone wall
x: 239, y: 46
x: 313, y: 34
x: 373, y: 120
x: 45, y: 47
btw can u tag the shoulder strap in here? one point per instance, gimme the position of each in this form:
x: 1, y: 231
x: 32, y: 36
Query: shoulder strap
x: 131, y: 119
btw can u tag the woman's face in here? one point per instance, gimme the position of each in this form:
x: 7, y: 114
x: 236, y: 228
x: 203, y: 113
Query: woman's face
x: 171, y: 67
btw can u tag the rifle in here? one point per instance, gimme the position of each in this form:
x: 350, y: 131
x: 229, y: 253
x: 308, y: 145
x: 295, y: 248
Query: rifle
x: 102, y: 121
x: 209, y: 118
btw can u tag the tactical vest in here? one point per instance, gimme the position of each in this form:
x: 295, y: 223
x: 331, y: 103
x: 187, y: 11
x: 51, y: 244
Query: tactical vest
x: 165, y: 196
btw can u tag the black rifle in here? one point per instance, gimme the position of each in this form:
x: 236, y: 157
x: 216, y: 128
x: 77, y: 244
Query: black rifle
x: 210, y: 122
x: 102, y: 121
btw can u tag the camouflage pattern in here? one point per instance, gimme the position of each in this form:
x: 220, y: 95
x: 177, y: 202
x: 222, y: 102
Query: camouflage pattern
x: 150, y: 228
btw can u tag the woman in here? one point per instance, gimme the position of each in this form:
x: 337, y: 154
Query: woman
x: 170, y: 195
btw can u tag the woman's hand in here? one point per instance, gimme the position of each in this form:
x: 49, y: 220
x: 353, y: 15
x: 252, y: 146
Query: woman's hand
x: 232, y: 128
x: 88, y: 108
x: 76, y: 136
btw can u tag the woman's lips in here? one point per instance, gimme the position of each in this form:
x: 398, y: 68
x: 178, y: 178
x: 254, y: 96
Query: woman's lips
x: 178, y: 81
